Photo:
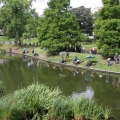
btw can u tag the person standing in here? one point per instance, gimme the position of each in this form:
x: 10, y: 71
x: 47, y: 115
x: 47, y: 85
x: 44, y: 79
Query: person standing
x: 108, y: 61
x: 116, y: 58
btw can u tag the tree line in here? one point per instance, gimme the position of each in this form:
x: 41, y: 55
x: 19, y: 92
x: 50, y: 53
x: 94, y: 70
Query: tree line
x: 62, y: 26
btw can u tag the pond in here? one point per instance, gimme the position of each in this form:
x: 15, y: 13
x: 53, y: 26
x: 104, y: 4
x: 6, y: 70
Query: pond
x: 19, y: 72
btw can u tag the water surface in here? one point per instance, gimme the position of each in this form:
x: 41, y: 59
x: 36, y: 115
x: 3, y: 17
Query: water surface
x: 20, y: 72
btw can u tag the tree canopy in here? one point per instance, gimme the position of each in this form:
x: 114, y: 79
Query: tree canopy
x: 17, y: 17
x: 84, y: 18
x: 58, y: 27
x: 107, y: 28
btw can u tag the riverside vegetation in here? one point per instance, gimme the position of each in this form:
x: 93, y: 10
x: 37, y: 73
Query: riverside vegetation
x: 101, y: 62
x: 39, y: 102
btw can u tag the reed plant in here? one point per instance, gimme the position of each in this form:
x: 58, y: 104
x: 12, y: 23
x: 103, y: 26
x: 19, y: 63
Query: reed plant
x: 26, y: 103
x: 87, y: 109
x: 79, y: 107
x: 106, y: 113
x: 61, y: 110
x: 39, y: 102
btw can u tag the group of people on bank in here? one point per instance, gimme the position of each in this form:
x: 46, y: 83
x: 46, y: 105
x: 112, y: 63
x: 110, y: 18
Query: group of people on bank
x: 116, y: 59
x: 91, y: 50
x: 75, y: 61
x: 88, y: 64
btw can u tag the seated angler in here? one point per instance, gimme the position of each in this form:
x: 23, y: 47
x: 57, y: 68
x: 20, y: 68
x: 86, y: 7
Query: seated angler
x: 62, y: 60
x: 88, y: 64
x: 76, y: 60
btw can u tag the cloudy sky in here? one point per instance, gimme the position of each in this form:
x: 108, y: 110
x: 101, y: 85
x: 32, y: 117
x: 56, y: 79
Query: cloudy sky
x: 40, y: 5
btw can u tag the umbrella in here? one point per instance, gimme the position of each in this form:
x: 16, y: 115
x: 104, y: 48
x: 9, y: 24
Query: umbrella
x: 63, y: 53
x: 24, y: 48
x: 90, y: 56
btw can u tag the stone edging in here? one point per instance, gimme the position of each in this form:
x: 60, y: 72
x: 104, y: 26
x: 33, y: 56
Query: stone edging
x: 73, y: 66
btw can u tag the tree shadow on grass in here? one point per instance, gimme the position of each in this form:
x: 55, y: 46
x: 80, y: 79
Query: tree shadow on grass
x: 93, y: 61
x: 52, y: 53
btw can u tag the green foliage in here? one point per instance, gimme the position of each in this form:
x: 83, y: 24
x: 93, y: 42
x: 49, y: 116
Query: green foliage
x: 39, y: 102
x: 95, y: 15
x: 84, y: 19
x: 26, y: 103
x: 17, y: 17
x: 58, y: 27
x: 107, y: 28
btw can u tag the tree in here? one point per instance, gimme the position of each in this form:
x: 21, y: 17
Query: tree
x: 31, y: 26
x: 84, y: 19
x: 107, y: 28
x: 95, y: 15
x: 58, y: 27
x: 16, y: 15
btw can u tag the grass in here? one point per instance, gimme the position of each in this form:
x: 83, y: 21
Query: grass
x: 32, y: 40
x: 5, y: 39
x: 101, y: 63
x: 39, y: 102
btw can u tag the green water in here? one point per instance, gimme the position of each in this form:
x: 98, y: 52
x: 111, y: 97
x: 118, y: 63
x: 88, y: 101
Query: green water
x: 17, y: 73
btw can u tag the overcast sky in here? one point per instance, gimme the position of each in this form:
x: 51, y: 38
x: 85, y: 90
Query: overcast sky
x: 40, y: 5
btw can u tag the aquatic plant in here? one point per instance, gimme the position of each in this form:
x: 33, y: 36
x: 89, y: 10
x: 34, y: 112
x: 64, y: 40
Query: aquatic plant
x: 39, y: 102
x: 61, y: 109
x: 25, y: 103
x: 106, y: 113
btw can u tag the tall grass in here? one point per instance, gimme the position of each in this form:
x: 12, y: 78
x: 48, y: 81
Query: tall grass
x: 26, y: 103
x: 60, y: 110
x: 39, y: 102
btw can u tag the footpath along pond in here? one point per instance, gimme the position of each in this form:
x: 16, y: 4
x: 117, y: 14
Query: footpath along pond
x: 20, y: 72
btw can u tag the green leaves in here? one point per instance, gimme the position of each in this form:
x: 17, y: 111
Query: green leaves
x: 84, y: 19
x: 58, y: 26
x: 17, y: 17
x: 107, y: 28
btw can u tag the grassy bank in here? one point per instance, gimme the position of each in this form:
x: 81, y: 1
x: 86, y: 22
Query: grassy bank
x: 39, y: 102
x: 5, y: 39
x: 101, y: 63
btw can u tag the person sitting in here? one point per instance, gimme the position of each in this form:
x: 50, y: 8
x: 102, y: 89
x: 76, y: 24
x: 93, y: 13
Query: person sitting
x: 33, y: 51
x: 62, y: 60
x: 88, y: 64
x: 24, y: 52
x: 36, y: 54
x: 76, y: 60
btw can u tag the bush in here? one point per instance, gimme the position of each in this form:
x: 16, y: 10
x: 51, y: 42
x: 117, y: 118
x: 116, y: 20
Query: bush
x: 39, y: 102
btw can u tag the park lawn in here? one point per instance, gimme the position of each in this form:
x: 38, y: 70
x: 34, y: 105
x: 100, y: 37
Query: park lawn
x: 31, y: 40
x: 5, y: 39
x: 101, y: 63
x: 88, y: 45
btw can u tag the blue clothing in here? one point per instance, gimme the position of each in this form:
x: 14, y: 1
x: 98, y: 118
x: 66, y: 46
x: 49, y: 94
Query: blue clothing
x: 75, y: 59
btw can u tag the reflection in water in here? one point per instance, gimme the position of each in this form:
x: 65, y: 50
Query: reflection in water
x: 118, y: 82
x: 18, y: 73
x: 89, y: 92
x: 62, y: 75
x: 87, y: 76
x: 75, y: 72
x: 114, y: 81
x: 30, y: 63
x: 2, y: 61
x: 107, y: 78
x: 100, y: 76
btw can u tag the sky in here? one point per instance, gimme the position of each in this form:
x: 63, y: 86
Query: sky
x: 40, y: 5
